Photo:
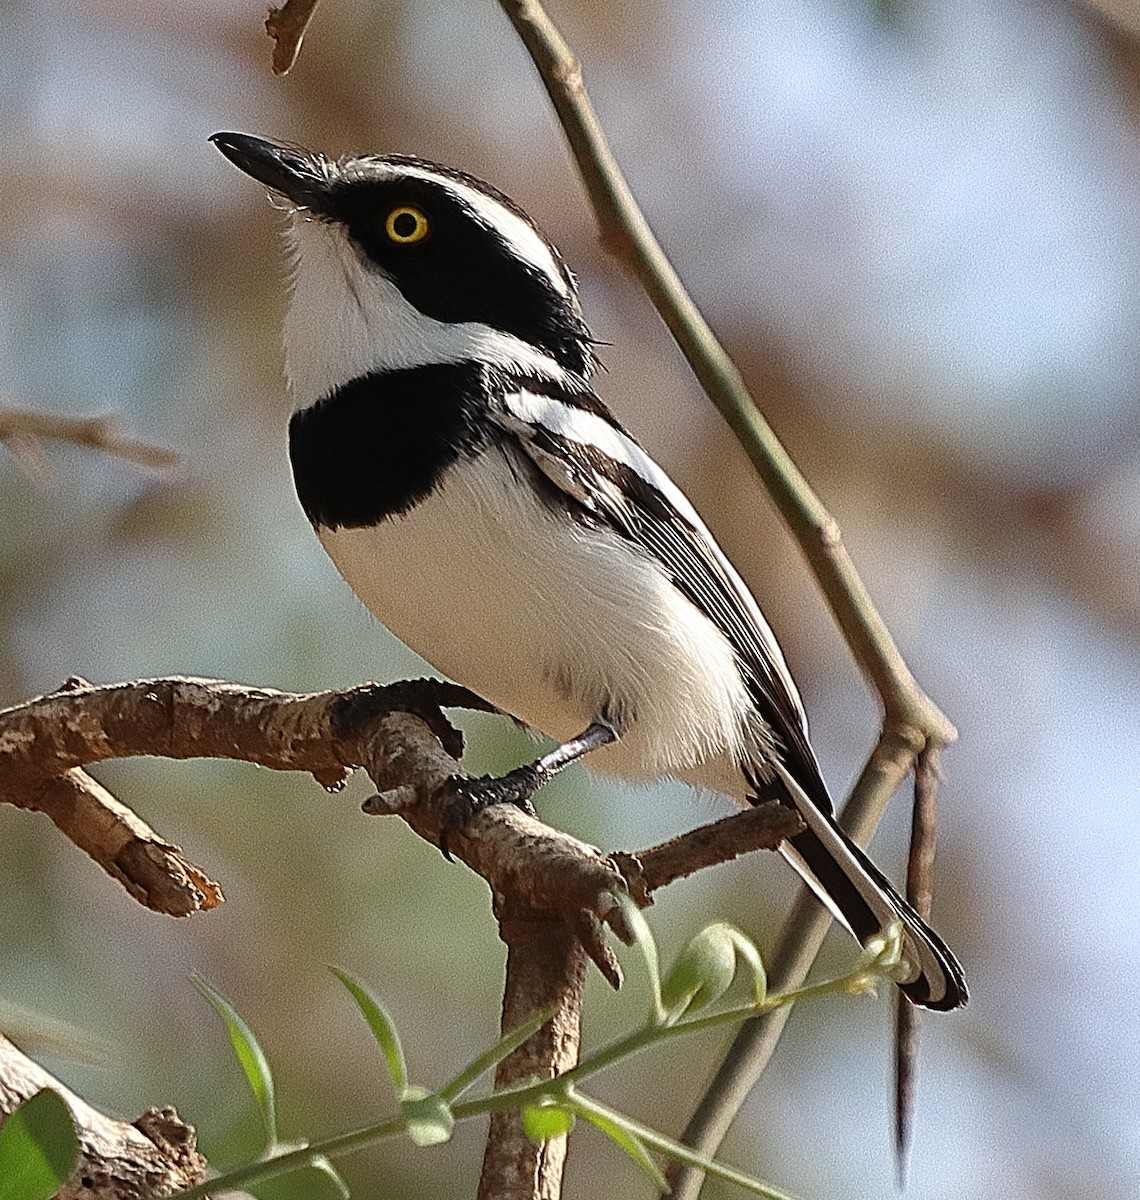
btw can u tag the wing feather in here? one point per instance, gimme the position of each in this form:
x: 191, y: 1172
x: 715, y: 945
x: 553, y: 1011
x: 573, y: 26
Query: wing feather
x: 607, y: 477
x: 601, y: 474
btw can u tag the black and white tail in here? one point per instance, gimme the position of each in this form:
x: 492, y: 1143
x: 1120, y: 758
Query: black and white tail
x: 862, y: 899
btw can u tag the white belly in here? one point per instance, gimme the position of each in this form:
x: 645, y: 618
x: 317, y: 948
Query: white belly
x: 554, y: 624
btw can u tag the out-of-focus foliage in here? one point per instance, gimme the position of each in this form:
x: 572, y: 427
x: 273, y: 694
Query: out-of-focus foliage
x: 918, y: 230
x: 38, y: 1148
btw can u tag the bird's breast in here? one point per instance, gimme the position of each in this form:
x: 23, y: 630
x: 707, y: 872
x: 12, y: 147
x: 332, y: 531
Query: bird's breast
x: 555, y: 622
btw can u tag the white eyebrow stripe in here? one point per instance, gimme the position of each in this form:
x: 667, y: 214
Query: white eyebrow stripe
x: 514, y: 229
x: 345, y: 320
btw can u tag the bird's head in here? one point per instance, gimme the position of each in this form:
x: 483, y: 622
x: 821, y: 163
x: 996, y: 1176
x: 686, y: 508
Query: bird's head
x: 399, y: 262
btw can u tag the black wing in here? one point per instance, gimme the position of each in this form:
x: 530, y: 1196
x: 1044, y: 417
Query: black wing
x: 607, y: 477
x: 600, y: 473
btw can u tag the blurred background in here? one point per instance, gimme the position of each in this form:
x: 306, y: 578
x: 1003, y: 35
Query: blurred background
x: 916, y: 224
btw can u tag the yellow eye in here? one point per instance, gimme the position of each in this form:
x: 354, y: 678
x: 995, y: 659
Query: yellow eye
x: 405, y: 225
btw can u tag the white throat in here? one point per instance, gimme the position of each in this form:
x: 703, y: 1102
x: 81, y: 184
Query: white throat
x: 346, y: 320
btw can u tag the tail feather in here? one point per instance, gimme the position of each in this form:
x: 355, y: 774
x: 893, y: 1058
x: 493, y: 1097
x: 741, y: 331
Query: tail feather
x: 860, y: 897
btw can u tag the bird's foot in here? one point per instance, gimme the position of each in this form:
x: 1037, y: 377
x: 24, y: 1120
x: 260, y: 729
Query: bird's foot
x: 469, y: 796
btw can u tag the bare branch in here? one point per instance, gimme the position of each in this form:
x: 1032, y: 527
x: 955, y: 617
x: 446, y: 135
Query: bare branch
x: 920, y: 893
x: 546, y: 971
x: 763, y: 827
x: 396, y: 732
x: 912, y: 722
x: 920, y: 863
x: 626, y: 234
x: 154, y: 1155
x: 43, y: 741
x: 179, y: 717
x: 156, y: 873
x: 286, y: 26
x: 23, y: 429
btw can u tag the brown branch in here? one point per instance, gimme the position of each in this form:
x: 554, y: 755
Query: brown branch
x: 761, y: 828
x: 920, y: 893
x: 920, y: 862
x: 23, y: 429
x: 395, y: 732
x: 553, y: 894
x: 154, y: 1155
x: 286, y: 26
x: 324, y: 733
x: 155, y: 872
x: 546, y: 971
x: 44, y: 741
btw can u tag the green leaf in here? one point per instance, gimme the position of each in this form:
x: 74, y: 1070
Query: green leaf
x: 322, y: 1165
x: 706, y: 967
x: 250, y: 1057
x: 38, y: 1148
x: 541, y: 1122
x: 746, y: 949
x: 613, y: 1128
x: 702, y: 973
x: 382, y: 1026
x: 643, y: 938
x: 428, y: 1116
x: 494, y: 1055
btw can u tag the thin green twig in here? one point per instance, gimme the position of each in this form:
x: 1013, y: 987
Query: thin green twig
x: 294, y: 1160
x: 676, y: 1150
x: 560, y: 1088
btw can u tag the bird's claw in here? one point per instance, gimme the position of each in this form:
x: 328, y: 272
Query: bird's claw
x: 469, y: 796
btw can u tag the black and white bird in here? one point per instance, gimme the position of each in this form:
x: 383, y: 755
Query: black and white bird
x: 489, y: 509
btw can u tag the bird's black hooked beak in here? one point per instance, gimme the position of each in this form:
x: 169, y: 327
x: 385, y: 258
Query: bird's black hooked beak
x: 290, y: 171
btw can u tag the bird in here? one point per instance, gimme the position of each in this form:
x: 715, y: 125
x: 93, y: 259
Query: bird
x: 482, y: 501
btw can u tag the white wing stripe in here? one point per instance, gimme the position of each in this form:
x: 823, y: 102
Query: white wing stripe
x: 576, y: 424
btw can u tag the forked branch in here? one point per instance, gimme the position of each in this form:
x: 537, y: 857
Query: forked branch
x: 552, y: 893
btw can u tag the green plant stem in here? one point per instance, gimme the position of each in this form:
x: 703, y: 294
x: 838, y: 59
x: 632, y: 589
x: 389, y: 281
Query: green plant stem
x: 675, y: 1149
x: 491, y: 1058
x: 560, y: 1088
x: 649, y: 1036
x: 654, y: 1035
x: 293, y: 1160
